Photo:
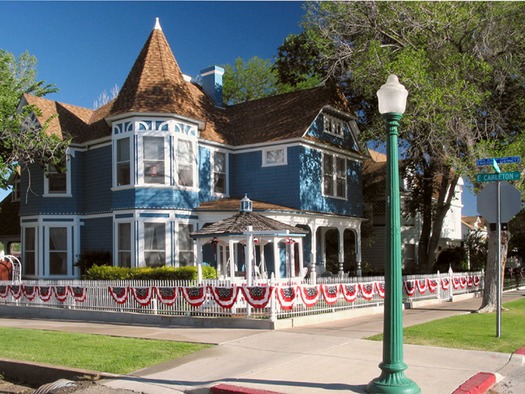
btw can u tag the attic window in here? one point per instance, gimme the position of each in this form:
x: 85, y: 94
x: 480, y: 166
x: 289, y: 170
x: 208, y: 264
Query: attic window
x: 274, y: 157
x: 333, y: 125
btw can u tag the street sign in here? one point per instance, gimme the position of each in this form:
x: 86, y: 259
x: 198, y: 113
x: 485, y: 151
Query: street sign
x: 502, y: 176
x: 499, y: 160
x: 510, y: 201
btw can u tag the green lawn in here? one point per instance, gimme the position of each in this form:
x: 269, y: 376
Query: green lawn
x: 475, y: 331
x: 94, y: 352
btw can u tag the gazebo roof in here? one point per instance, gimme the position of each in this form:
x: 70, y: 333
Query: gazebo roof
x: 238, y: 223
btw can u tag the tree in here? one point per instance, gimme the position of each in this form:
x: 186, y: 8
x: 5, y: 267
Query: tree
x: 460, y: 63
x: 24, y: 141
x: 255, y: 79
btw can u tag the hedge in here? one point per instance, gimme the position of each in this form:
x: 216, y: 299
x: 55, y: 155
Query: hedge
x: 105, y: 272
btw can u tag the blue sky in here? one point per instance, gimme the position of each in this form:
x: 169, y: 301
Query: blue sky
x: 85, y: 48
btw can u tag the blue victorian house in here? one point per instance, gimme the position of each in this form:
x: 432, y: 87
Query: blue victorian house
x: 167, y: 157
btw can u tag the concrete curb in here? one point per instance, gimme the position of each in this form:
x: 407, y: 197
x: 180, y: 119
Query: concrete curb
x: 479, y: 383
x: 232, y: 389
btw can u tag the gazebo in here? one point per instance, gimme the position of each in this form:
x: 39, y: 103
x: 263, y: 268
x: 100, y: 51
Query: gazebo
x: 251, y: 245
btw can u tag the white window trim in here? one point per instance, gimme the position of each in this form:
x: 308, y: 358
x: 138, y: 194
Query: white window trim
x: 167, y: 159
x: 37, y: 248
x: 68, y: 182
x: 69, y: 243
x: 226, y: 171
x: 265, y: 151
x: 116, y: 237
x: 131, y: 161
x: 195, y: 169
x: 334, y: 176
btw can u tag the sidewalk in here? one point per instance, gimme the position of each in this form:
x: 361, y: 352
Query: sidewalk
x: 320, y: 358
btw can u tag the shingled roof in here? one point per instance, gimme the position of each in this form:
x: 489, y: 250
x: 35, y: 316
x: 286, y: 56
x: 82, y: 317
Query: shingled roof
x: 156, y: 85
x: 237, y: 224
x: 283, y: 116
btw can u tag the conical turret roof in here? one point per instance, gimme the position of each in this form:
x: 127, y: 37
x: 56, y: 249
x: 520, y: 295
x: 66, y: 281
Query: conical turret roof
x: 155, y: 83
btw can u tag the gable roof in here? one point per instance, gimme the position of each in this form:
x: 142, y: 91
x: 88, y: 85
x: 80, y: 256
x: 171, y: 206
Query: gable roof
x: 283, y: 116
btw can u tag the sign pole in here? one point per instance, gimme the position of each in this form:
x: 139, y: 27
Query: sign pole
x: 498, y: 300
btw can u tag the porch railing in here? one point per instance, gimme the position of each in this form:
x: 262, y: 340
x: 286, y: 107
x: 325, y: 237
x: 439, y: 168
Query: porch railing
x: 269, y: 299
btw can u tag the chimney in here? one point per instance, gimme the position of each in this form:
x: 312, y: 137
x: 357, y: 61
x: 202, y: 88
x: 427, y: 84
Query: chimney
x: 211, y: 81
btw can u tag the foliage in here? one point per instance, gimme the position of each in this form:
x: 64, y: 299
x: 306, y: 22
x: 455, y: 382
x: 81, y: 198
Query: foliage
x: 97, y: 272
x: 476, y: 244
x: 102, y: 353
x: 255, y: 79
x: 473, y: 331
x: 517, y: 241
x: 461, y: 62
x: 24, y: 142
x: 91, y: 258
x: 456, y: 258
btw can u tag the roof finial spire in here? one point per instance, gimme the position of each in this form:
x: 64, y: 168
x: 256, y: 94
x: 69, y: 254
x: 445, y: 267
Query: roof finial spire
x: 157, y: 24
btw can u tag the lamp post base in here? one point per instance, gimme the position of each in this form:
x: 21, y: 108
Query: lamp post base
x: 392, y: 383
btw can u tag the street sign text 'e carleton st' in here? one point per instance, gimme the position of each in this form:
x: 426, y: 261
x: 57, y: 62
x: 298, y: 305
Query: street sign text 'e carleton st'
x: 502, y: 176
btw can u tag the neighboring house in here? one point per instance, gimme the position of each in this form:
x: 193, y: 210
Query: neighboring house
x: 373, y: 252
x: 470, y: 224
x: 167, y: 157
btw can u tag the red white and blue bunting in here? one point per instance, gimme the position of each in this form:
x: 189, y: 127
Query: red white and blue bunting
x: 195, y: 296
x: 257, y: 296
x: 286, y: 297
x: 79, y: 293
x: 350, y: 291
x: 225, y: 297
x: 367, y: 290
x: 142, y: 295
x: 309, y: 295
x: 61, y: 293
x: 45, y: 293
x: 330, y: 293
x: 167, y: 295
x: 119, y: 294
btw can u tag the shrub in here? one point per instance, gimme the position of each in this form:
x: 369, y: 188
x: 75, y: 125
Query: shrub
x: 149, y: 273
x: 91, y: 258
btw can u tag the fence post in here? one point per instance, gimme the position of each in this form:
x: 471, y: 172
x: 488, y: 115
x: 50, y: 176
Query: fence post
x: 450, y: 285
x: 273, y: 300
x: 439, y: 284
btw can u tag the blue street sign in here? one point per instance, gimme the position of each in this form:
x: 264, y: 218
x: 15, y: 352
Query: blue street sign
x: 502, y: 176
x: 499, y: 160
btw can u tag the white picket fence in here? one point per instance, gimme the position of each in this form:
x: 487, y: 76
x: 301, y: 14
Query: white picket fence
x: 214, y: 298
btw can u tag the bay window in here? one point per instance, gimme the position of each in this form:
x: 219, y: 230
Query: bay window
x: 185, y: 163
x: 124, y: 245
x: 219, y: 172
x: 155, y: 244
x: 153, y: 159
x: 185, y: 245
x: 123, y: 162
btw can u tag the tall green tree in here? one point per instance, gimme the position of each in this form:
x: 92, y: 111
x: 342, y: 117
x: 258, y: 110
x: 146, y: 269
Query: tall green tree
x: 460, y: 61
x: 23, y: 141
x: 257, y: 78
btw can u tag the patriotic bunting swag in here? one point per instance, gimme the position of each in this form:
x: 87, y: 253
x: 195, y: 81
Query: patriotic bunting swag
x: 309, y: 295
x: 367, y: 290
x: 79, y: 293
x: 286, y: 297
x: 142, y: 295
x: 410, y: 287
x: 195, y: 296
x: 432, y: 285
x: 380, y: 287
x: 4, y: 291
x: 445, y: 283
x: 330, y: 293
x: 45, y: 293
x: 119, y: 294
x: 349, y: 292
x: 167, y: 295
x: 421, y: 286
x: 224, y: 296
x: 29, y: 292
x: 16, y: 291
x: 61, y: 293
x: 257, y: 296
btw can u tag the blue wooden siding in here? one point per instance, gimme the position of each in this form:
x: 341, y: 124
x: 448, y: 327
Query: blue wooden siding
x: 97, y: 180
x: 275, y: 184
x: 97, y: 235
x: 311, y: 187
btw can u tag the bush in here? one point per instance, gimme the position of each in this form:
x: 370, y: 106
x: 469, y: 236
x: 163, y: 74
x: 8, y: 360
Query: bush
x: 91, y: 258
x: 148, y: 273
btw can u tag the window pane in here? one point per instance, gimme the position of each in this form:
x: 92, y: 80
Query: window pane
x: 185, y: 163
x: 153, y: 159
x: 29, y: 251
x: 154, y: 244
x: 185, y: 245
x: 219, y: 176
x: 57, y: 183
x: 58, y: 250
x: 124, y: 245
x: 340, y: 177
x: 123, y: 162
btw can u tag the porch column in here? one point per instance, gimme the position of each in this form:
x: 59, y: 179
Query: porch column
x: 313, y: 253
x: 231, y: 245
x: 341, y: 248
x: 358, y: 250
x: 276, y: 258
x: 300, y: 242
x: 248, y: 264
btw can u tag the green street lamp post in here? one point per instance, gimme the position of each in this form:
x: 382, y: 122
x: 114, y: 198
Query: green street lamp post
x: 392, y: 103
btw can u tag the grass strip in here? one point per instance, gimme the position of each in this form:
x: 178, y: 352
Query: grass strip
x: 118, y: 355
x: 473, y: 331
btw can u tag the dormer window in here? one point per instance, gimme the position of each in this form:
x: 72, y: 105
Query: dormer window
x: 333, y: 125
